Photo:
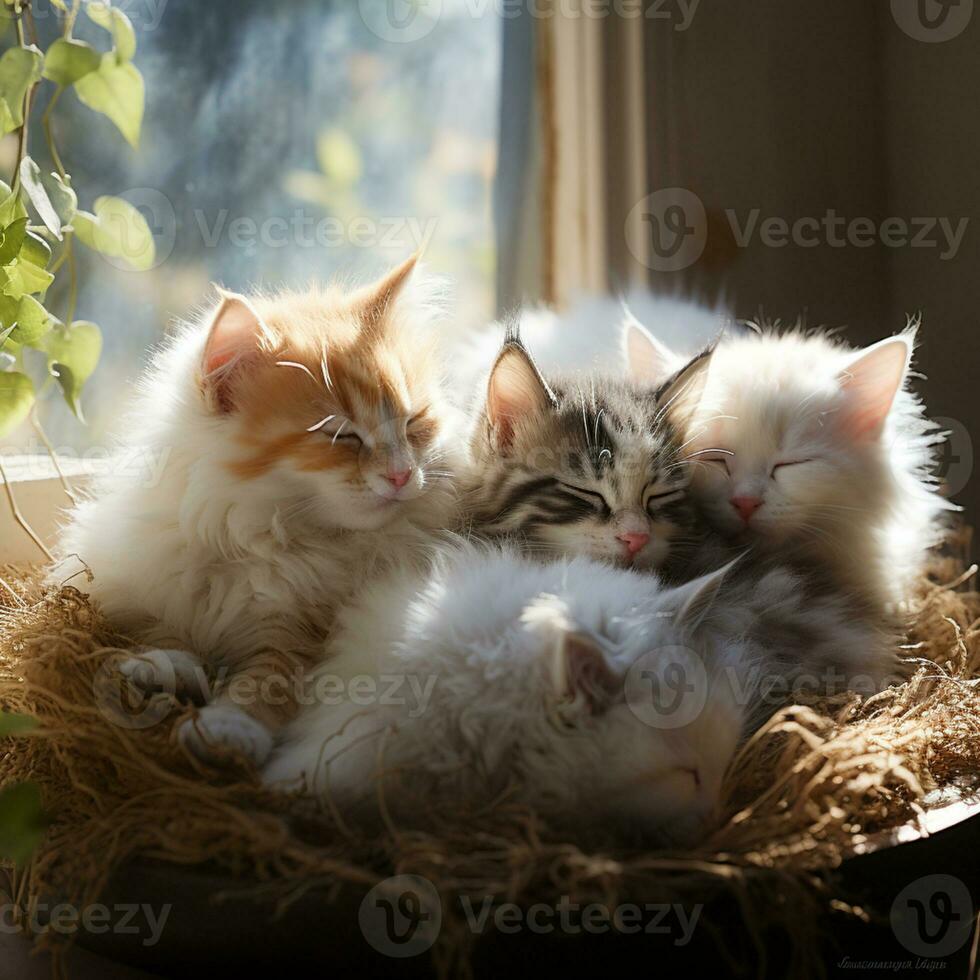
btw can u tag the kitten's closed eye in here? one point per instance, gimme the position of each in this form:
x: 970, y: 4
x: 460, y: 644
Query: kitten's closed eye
x: 592, y: 496
x: 660, y: 498
x: 718, y: 458
x: 338, y: 429
x: 788, y: 462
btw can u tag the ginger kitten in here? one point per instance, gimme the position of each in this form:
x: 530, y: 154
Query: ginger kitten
x: 309, y: 447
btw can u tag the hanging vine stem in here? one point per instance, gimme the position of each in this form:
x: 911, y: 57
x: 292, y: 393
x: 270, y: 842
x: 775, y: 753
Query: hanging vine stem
x: 43, y: 436
x: 22, y: 12
x: 19, y: 517
x: 68, y: 250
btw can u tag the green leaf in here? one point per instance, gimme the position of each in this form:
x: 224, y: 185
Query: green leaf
x: 13, y: 724
x: 62, y: 196
x: 116, y: 90
x: 30, y: 180
x: 11, y: 206
x: 118, y: 230
x: 35, y: 250
x: 72, y: 357
x: 20, y: 68
x: 22, y: 278
x: 33, y: 322
x: 22, y: 822
x: 118, y: 24
x: 12, y: 240
x: 16, y: 398
x: 68, y: 60
x: 339, y: 157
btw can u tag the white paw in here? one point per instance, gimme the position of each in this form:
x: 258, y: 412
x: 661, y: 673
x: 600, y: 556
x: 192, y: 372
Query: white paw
x: 222, y: 730
x: 171, y: 671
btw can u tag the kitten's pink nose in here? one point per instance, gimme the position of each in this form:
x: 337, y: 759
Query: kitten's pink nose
x: 746, y: 506
x: 634, y: 541
x: 398, y: 478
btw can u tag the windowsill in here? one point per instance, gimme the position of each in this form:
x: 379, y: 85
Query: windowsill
x: 42, y: 501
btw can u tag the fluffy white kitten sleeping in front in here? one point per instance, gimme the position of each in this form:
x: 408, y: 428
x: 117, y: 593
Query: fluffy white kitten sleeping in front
x: 814, y: 451
x: 493, y: 675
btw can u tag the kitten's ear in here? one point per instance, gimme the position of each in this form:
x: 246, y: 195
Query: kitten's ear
x: 870, y: 383
x: 680, y: 395
x: 648, y: 362
x: 373, y: 301
x: 578, y: 667
x: 515, y: 391
x: 693, y: 600
x: 237, y: 334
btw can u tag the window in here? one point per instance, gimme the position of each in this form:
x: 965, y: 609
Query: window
x: 281, y: 142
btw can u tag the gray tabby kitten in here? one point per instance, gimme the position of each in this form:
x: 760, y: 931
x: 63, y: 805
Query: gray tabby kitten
x: 584, y: 465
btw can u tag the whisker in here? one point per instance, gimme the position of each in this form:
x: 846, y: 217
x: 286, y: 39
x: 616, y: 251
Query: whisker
x: 295, y: 364
x: 321, y: 423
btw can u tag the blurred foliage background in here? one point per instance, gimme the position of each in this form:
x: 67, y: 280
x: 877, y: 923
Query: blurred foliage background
x: 281, y: 142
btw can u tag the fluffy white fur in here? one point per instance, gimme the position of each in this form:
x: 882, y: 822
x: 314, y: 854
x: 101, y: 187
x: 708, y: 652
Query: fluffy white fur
x: 828, y: 444
x: 216, y: 569
x: 585, y: 337
x: 529, y: 691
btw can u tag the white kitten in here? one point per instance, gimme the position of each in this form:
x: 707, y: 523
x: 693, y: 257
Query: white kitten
x: 304, y: 440
x: 596, y: 695
x: 814, y: 451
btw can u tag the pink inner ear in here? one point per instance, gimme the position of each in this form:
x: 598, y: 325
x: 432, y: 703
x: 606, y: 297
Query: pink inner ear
x: 870, y: 384
x: 648, y: 360
x: 588, y: 671
x: 235, y: 331
x: 514, y: 391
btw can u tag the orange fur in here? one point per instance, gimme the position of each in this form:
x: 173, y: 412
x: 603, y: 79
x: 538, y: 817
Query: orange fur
x: 375, y: 370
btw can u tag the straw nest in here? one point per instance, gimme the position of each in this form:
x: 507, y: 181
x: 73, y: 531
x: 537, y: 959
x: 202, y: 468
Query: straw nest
x: 820, y: 782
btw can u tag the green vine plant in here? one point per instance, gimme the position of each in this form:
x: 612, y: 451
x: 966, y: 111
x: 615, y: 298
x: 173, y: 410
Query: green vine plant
x: 39, y: 214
